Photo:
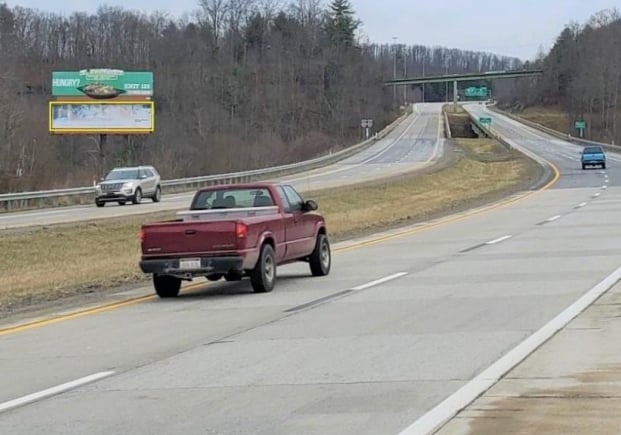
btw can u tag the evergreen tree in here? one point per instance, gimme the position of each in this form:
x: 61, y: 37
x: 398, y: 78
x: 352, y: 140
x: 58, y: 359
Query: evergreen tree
x: 341, y: 24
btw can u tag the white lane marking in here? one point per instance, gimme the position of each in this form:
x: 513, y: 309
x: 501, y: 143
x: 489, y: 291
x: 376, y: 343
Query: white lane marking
x: 53, y: 391
x: 596, y: 195
x: 582, y: 204
x: 380, y: 281
x: 553, y: 218
x: 498, y: 240
x: 604, y: 187
x: 443, y: 412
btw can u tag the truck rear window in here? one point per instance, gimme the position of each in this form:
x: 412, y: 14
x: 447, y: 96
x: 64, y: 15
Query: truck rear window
x: 232, y: 198
x: 593, y: 150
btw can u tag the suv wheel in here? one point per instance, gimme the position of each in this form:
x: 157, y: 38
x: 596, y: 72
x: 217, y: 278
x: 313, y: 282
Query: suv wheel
x: 137, y: 199
x: 158, y: 194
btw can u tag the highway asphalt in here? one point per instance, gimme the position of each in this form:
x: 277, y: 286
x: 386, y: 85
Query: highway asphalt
x: 400, y: 324
x: 415, y: 143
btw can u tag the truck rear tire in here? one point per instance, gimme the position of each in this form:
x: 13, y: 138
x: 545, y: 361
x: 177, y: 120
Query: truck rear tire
x: 214, y: 277
x: 603, y: 165
x: 320, y: 260
x: 166, y: 286
x: 263, y: 276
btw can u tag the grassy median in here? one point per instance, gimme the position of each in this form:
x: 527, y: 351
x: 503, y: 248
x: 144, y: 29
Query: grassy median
x: 48, y: 263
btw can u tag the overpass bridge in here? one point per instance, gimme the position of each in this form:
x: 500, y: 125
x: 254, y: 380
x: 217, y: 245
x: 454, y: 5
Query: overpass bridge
x: 468, y: 77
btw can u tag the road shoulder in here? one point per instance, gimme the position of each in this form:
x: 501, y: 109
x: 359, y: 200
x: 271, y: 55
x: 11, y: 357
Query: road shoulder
x: 570, y: 385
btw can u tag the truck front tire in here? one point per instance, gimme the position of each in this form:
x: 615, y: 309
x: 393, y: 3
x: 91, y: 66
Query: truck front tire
x: 320, y: 260
x: 166, y: 286
x: 263, y: 276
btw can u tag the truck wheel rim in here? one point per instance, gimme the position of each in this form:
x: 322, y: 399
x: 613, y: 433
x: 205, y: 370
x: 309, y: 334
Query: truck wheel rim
x: 325, y: 254
x: 269, y: 268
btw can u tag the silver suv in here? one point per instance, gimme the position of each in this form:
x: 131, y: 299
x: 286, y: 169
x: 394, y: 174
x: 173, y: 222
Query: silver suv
x: 129, y: 184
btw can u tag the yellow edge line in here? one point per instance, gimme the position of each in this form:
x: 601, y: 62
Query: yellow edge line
x: 359, y: 245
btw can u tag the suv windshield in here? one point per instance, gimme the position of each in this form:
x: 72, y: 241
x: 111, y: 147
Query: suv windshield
x: 128, y: 174
x: 593, y: 150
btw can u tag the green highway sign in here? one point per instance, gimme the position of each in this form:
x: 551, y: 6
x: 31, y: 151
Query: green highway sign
x: 580, y: 125
x: 102, y: 83
x: 476, y: 92
x: 485, y: 120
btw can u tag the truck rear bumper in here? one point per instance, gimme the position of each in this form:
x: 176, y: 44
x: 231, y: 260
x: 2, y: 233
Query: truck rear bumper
x: 196, y: 266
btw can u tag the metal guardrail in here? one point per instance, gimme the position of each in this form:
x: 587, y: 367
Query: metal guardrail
x: 78, y: 195
x: 447, y: 125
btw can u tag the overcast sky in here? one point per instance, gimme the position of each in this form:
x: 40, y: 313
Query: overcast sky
x: 510, y: 27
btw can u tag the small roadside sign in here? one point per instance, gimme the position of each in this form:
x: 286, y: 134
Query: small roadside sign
x: 487, y: 120
x: 580, y: 126
x: 366, y: 124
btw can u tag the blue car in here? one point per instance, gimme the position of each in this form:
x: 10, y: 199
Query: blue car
x: 593, y: 156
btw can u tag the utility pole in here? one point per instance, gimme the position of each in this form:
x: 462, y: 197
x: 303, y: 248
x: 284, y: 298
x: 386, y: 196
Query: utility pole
x: 405, y: 75
x: 394, y: 71
x: 424, y: 57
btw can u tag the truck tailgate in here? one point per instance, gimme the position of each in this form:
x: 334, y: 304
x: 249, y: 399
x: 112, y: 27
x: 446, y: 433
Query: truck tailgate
x: 183, y: 238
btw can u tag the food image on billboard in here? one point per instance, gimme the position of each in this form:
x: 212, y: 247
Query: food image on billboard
x: 101, y: 117
x: 102, y: 83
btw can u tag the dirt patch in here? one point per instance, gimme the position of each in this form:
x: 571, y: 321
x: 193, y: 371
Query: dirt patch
x: 592, y: 405
x: 47, y: 264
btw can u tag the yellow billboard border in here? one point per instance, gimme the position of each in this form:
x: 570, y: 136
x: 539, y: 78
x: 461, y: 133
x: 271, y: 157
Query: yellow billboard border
x: 101, y: 130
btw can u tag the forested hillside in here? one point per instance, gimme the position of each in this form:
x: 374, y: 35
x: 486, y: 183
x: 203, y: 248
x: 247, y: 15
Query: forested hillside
x: 239, y: 84
x: 582, y: 76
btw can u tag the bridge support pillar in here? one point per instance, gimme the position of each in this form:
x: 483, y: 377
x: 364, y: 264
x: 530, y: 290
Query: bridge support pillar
x: 455, y: 92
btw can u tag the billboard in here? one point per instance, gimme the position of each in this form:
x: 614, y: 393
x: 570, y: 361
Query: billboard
x: 99, y: 117
x: 102, y: 84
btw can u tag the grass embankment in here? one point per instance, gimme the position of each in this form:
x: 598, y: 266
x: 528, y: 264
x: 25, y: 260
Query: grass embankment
x: 551, y: 117
x: 48, y: 263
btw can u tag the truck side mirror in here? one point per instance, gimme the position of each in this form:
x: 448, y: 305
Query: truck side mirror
x: 310, y: 205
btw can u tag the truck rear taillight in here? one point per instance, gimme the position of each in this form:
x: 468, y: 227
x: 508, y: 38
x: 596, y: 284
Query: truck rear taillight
x: 141, y: 235
x: 241, y: 230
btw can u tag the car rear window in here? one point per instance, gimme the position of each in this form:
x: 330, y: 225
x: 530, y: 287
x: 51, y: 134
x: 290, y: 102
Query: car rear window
x: 232, y: 198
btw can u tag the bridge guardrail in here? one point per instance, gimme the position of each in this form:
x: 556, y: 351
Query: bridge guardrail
x: 554, y: 133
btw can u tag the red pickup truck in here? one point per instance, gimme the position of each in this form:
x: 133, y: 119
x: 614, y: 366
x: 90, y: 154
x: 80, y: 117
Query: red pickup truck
x: 233, y: 231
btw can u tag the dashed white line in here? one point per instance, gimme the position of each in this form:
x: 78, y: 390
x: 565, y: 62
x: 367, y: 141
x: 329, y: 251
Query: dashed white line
x: 582, y: 204
x: 553, y: 218
x: 596, y: 195
x: 604, y: 187
x: 53, y: 391
x: 498, y: 240
x: 380, y: 281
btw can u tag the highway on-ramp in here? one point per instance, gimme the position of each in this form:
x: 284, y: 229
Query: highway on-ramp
x: 403, y: 321
x: 415, y: 143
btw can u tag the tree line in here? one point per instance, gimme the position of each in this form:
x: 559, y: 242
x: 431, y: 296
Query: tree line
x: 582, y: 76
x: 239, y: 84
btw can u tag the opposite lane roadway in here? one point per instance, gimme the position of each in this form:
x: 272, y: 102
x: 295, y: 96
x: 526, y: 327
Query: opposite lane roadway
x: 415, y: 143
x: 398, y: 326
